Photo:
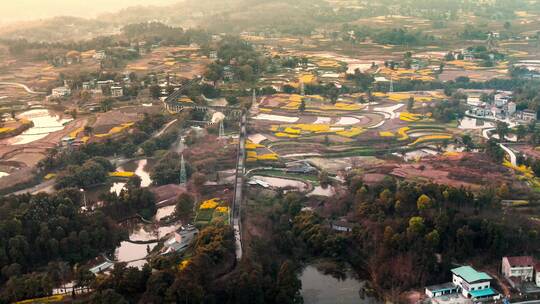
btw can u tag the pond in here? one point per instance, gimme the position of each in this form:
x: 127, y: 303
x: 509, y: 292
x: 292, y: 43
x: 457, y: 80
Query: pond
x: 140, y: 167
x: 320, y: 288
x: 3, y: 174
x: 45, y: 122
x: 133, y: 254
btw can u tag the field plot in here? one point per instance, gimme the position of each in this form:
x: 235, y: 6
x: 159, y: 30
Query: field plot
x: 177, y: 61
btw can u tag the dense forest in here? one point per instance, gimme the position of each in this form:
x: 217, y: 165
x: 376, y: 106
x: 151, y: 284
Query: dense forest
x: 42, y: 229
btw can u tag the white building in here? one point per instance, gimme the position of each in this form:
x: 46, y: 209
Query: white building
x: 511, y: 108
x: 103, y: 83
x: 180, y: 240
x: 501, y: 99
x: 88, y: 85
x: 473, y: 284
x: 117, y: 91
x: 100, y: 55
x: 518, y: 269
x: 537, y: 274
x: 528, y: 115
x: 228, y: 73
x: 60, y: 92
x: 341, y: 225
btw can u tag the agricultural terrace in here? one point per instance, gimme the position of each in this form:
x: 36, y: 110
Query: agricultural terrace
x: 212, y: 211
x: 181, y: 61
x: 288, y: 126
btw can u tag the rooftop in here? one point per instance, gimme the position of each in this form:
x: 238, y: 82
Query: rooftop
x: 470, y: 275
x: 483, y: 293
x: 441, y: 287
x: 520, y: 261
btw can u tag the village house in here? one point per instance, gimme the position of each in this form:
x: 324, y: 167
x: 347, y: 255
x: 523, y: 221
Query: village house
x: 60, y: 92
x: 501, y: 99
x: 441, y: 290
x: 537, y: 274
x: 468, y: 283
x: 100, y: 85
x: 518, y: 269
x: 106, y: 265
x: 481, y: 111
x: 473, y: 284
x: 228, y: 73
x: 341, y: 226
x: 180, y: 239
x: 100, y: 55
x: 88, y: 85
x: 117, y: 91
x: 511, y: 108
x: 528, y: 115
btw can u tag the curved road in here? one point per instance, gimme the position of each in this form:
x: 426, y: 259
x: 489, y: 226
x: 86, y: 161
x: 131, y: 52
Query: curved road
x: 20, y: 85
x: 513, y: 157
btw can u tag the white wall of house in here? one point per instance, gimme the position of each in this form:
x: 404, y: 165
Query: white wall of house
x: 525, y: 273
x: 466, y: 287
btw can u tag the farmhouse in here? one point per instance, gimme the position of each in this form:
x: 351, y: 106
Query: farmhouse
x: 528, y: 115
x: 441, y: 290
x: 117, y: 91
x: 180, y: 239
x: 473, y: 284
x: 100, y: 55
x: 341, y: 225
x: 60, y: 92
x: 468, y: 282
x: 518, y: 269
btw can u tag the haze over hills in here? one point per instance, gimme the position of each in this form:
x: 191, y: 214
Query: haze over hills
x: 38, y: 9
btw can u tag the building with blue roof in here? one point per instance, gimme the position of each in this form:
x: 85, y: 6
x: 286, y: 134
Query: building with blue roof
x: 473, y: 284
x: 467, y: 282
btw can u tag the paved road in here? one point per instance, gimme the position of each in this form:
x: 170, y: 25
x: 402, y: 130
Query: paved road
x: 158, y: 134
x: 513, y: 157
x: 47, y: 187
x: 238, y: 187
x: 20, y: 85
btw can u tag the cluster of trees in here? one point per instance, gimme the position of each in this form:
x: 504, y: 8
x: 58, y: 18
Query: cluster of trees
x: 363, y: 81
x: 167, y: 170
x: 91, y: 173
x: 157, y: 32
x: 36, y: 230
x: 450, y: 109
x: 211, y: 256
x: 402, y: 37
x: 132, y: 199
x: 240, y: 58
x: 162, y: 142
x: 403, y: 225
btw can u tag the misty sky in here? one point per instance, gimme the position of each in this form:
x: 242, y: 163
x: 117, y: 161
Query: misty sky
x: 14, y: 10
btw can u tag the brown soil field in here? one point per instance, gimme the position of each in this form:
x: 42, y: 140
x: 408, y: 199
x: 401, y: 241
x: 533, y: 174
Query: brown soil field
x: 164, y: 60
x: 471, y: 170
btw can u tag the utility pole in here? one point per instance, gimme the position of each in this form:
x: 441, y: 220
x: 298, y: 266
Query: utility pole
x: 183, y: 177
x: 221, y: 130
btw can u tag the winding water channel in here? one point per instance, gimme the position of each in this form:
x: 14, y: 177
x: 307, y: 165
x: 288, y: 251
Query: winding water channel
x: 45, y: 122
